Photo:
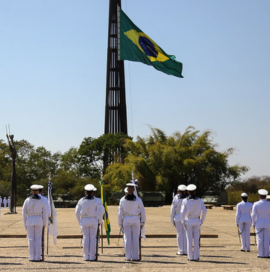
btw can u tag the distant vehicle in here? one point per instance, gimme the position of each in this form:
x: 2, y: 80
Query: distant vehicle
x: 217, y: 199
x: 149, y: 198
x: 64, y: 201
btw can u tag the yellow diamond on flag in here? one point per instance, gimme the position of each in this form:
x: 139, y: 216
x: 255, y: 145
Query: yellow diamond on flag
x: 146, y: 45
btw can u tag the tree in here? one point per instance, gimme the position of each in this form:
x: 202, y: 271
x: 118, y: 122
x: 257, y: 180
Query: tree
x: 162, y: 162
x: 107, y: 148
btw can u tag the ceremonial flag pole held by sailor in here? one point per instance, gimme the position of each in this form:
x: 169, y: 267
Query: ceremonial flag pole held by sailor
x: 52, y: 227
x: 106, y: 215
x: 134, y: 181
x: 137, y: 46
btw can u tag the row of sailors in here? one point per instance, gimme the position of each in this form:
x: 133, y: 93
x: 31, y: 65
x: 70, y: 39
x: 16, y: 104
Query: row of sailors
x: 5, y: 201
x: 89, y: 213
x: 131, y: 220
x: 188, y: 213
x: 257, y: 215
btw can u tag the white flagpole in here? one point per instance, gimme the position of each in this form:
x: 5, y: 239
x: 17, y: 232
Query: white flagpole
x: 133, y: 181
x: 51, y: 209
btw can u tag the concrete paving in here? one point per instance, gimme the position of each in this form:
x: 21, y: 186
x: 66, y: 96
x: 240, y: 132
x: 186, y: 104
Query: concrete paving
x: 222, y: 254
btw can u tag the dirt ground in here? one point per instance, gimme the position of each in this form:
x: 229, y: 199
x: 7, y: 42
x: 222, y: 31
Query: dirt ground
x: 222, y: 254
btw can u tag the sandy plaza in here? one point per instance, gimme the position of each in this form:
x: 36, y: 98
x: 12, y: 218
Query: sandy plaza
x: 158, y: 254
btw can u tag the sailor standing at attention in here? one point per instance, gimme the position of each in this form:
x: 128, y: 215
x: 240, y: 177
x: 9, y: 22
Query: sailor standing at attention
x: 89, y: 213
x: 8, y: 202
x: 34, y: 214
x: 131, y: 218
x: 190, y: 216
x: 176, y: 220
x: 243, y: 221
x: 5, y: 202
x: 261, y: 222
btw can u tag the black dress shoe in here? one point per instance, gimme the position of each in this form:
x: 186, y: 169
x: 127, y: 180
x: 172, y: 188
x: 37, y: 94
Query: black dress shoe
x: 243, y: 250
x: 31, y: 260
x: 248, y: 250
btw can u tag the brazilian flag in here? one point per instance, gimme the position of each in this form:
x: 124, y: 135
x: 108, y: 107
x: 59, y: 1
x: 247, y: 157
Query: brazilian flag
x: 106, y: 219
x: 137, y: 46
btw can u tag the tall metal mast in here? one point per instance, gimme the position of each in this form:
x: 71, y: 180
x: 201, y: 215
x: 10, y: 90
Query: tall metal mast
x: 115, y: 107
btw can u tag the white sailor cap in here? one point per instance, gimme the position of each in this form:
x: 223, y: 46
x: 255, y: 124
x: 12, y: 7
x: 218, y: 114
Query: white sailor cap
x: 89, y: 187
x: 126, y: 190
x: 244, y: 195
x: 182, y: 187
x: 95, y: 189
x: 35, y: 187
x: 131, y: 184
x: 191, y: 187
x: 40, y: 187
x: 262, y: 192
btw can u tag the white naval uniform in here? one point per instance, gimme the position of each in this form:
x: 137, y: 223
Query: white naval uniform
x: 45, y: 199
x: 34, y: 215
x: 176, y: 221
x: 190, y: 216
x: 131, y: 214
x: 243, y: 220
x: 89, y: 213
x: 8, y: 202
x: 5, y: 203
x: 261, y: 221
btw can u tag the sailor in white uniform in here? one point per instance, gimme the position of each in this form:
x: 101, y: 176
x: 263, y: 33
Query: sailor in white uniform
x: 243, y: 221
x: 131, y: 218
x: 8, y: 201
x: 261, y: 221
x: 0, y: 204
x: 5, y: 202
x: 176, y: 220
x: 126, y: 192
x: 191, y: 209
x: 34, y: 214
x: 89, y: 213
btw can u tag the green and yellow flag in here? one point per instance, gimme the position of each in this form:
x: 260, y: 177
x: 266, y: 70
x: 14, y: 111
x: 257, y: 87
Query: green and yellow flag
x: 106, y: 215
x: 137, y: 46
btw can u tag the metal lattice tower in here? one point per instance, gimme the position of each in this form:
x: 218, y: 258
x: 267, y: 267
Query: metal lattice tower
x: 115, y: 107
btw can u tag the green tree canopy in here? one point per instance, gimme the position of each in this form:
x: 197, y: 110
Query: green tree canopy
x: 107, y: 148
x: 162, y: 162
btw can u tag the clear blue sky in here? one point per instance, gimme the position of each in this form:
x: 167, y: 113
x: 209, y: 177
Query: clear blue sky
x: 53, y: 72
